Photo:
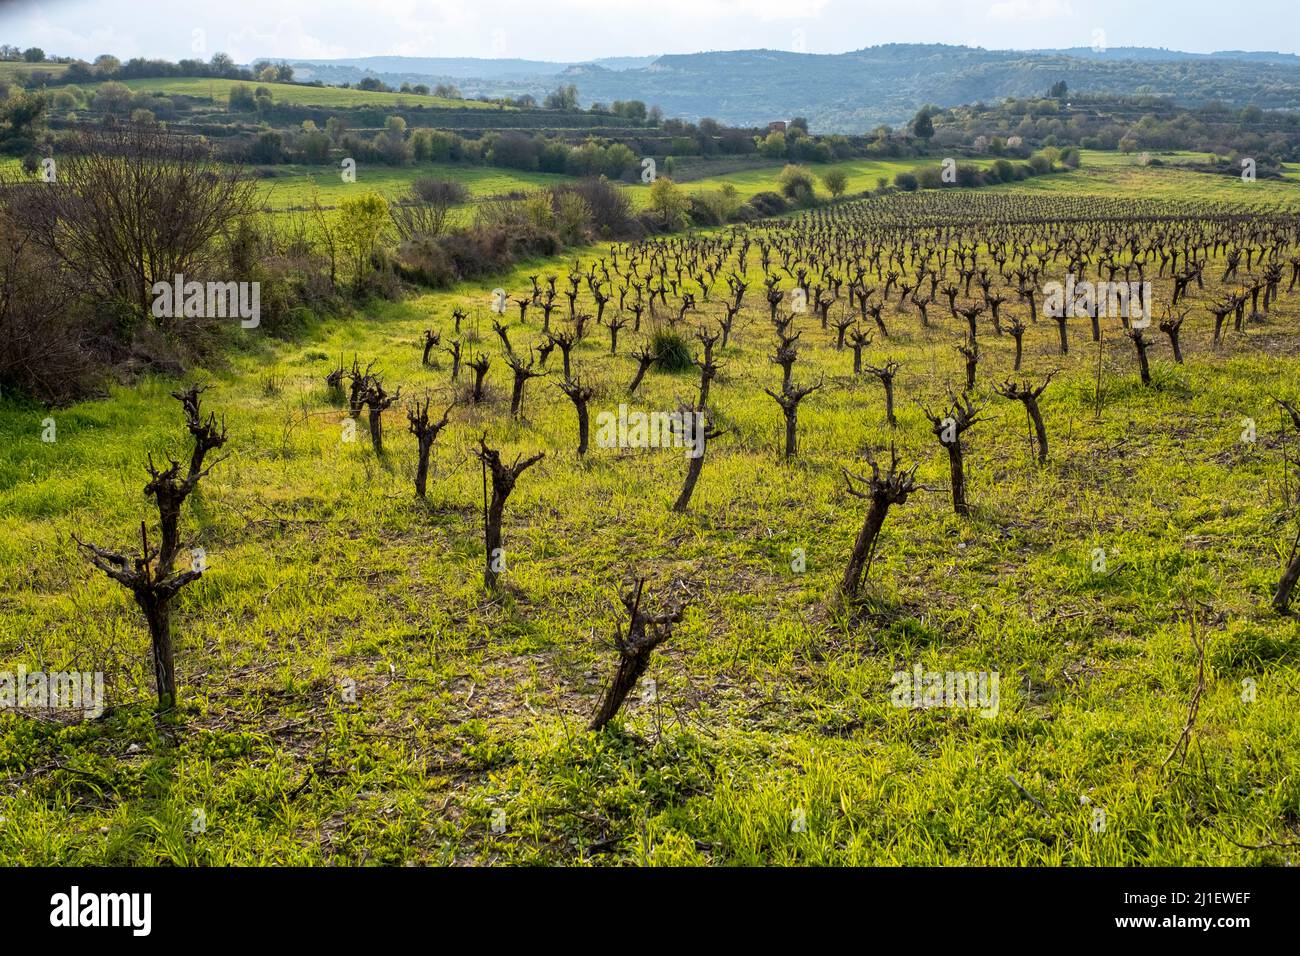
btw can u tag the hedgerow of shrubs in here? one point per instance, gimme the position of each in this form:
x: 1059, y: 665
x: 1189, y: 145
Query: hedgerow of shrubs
x: 968, y: 176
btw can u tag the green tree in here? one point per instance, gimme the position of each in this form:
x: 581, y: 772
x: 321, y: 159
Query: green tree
x: 113, y: 97
x: 669, y: 201
x: 267, y: 149
x: 239, y: 99
x: 313, y: 142
x: 562, y: 98
x: 107, y: 65
x: 923, y: 125
x: 21, y: 118
x: 835, y: 181
x: 796, y: 183
x: 618, y: 159
x: 633, y: 110
x: 572, y: 217
x: 392, y: 144
x: 361, y: 221
x: 772, y: 146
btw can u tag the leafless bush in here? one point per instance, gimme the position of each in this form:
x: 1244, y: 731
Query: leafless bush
x: 422, y: 213
x: 42, y: 347
x: 134, y: 205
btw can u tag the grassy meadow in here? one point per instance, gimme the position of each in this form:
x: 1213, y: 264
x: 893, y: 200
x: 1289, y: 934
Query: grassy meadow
x: 291, y: 187
x: 465, y: 742
x: 1102, y: 174
x: 1117, y: 175
x: 862, y: 175
x: 217, y: 91
x: 9, y: 68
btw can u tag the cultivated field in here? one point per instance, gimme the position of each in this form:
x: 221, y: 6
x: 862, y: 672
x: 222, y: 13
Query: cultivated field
x: 292, y: 187
x: 1134, y: 182
x: 863, y: 175
x: 8, y: 68
x: 768, y: 735
x: 1102, y: 174
x: 218, y: 91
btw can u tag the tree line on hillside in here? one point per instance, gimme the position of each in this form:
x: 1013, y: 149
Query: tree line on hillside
x: 98, y: 88
x: 106, y: 67
x: 25, y: 117
x: 1128, y: 124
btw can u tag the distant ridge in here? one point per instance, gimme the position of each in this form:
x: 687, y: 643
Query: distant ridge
x: 855, y: 91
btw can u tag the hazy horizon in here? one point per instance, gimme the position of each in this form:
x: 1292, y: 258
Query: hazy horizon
x: 580, y: 30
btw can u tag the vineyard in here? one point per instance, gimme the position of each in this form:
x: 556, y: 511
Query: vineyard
x: 414, y: 608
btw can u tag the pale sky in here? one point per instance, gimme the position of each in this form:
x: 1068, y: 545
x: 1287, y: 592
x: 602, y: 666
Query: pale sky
x: 572, y: 30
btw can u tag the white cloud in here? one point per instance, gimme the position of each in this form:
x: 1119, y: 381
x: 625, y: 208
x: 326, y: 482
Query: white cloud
x: 584, y: 29
x: 1018, y: 11
x: 56, y: 39
x: 686, y: 11
x: 288, y: 40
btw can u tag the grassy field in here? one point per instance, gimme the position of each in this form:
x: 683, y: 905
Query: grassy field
x: 291, y: 187
x: 218, y: 91
x: 863, y: 175
x: 10, y: 67
x: 1102, y: 174
x: 770, y: 706
x: 1114, y: 158
x: 1132, y: 181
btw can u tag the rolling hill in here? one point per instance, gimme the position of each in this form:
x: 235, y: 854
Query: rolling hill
x: 855, y: 91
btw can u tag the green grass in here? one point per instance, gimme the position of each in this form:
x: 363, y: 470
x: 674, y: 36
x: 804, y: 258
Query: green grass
x: 291, y: 187
x: 863, y: 175
x: 9, y: 67
x: 1115, y: 176
x: 1102, y: 174
x: 1113, y: 158
x: 218, y: 91
x: 324, y: 567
